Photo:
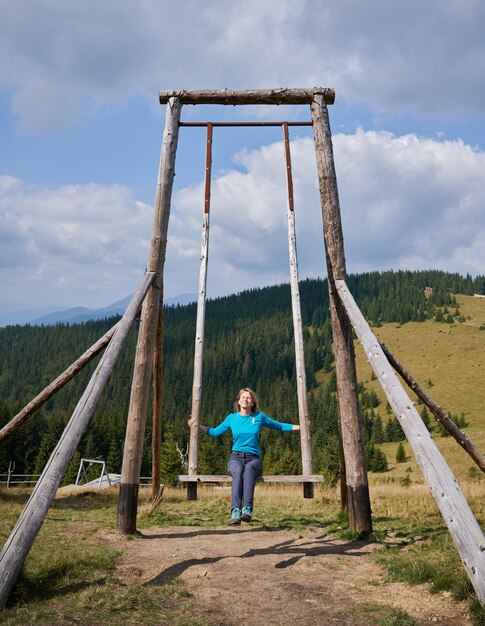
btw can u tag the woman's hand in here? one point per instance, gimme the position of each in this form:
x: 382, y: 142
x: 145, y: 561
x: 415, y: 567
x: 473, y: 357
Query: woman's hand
x: 193, y: 422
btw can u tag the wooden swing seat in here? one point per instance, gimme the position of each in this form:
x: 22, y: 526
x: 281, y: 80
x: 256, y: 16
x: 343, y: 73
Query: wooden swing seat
x: 226, y: 478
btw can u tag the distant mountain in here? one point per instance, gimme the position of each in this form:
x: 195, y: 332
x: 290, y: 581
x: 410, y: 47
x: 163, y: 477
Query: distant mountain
x: 24, y: 316
x: 77, y: 315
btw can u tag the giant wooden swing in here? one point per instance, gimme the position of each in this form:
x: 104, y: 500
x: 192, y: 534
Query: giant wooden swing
x: 345, y: 315
x: 193, y: 478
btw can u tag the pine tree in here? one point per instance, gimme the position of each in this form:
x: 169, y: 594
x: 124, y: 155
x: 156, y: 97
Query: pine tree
x: 376, y: 459
x: 46, y: 446
x: 170, y: 462
x: 114, y: 458
x: 326, y: 460
x: 425, y: 416
x: 400, y: 453
x: 72, y: 469
x: 212, y: 457
x: 394, y: 431
x: 377, y: 434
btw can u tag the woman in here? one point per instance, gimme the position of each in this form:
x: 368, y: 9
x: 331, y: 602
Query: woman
x: 244, y: 463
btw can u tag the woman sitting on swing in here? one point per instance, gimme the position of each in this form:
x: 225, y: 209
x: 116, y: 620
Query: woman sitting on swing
x: 244, y: 463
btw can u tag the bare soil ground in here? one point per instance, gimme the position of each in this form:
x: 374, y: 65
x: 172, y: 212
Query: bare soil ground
x: 267, y: 577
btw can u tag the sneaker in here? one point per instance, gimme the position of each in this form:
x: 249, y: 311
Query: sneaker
x: 246, y: 514
x: 235, y: 517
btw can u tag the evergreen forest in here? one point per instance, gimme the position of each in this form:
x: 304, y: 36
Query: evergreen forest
x: 248, y: 343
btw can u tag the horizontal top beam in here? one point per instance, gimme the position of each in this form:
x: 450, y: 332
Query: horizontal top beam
x: 249, y: 96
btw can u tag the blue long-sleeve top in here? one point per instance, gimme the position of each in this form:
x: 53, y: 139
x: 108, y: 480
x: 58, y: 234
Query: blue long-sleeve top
x: 245, y: 430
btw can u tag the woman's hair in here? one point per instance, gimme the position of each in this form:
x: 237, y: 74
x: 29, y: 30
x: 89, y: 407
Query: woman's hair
x: 254, y: 406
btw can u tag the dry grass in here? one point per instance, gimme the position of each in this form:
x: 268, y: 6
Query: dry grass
x: 448, y: 360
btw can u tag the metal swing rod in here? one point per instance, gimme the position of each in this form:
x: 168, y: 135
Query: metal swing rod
x: 244, y: 124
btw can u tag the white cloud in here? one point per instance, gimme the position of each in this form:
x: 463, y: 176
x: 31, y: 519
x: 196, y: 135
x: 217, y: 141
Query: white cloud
x: 406, y: 202
x: 60, y: 59
x: 409, y: 198
x: 69, y: 241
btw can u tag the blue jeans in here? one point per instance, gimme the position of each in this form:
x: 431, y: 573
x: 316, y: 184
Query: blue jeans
x: 244, y: 469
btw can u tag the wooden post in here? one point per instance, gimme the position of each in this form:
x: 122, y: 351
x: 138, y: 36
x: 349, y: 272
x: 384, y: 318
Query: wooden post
x: 351, y: 420
x: 22, y: 537
x: 157, y: 405
x: 305, y: 435
x: 137, y: 413
x: 443, y: 418
x: 344, y: 502
x: 200, y: 326
x: 56, y: 385
x: 465, y: 531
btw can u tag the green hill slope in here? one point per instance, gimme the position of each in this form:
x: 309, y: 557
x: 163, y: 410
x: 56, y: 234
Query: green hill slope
x: 448, y: 360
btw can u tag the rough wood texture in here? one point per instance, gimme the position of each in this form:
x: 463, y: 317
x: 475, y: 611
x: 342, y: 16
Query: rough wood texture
x: 442, y: 417
x: 56, y: 385
x: 248, y: 96
x: 157, y: 403
x: 464, y: 529
x: 199, y: 350
x: 305, y: 435
x: 226, y: 478
x: 137, y: 412
x: 17, y: 546
x: 358, y: 499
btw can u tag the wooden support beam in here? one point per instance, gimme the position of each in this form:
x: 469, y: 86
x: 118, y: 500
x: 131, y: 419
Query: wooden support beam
x: 248, y: 96
x: 305, y: 435
x: 157, y: 405
x: 464, y: 529
x: 140, y: 389
x: 358, y: 499
x: 443, y: 418
x: 22, y: 537
x: 56, y: 385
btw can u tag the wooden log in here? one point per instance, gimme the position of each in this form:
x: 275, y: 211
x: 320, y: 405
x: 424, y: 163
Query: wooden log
x: 198, y: 357
x: 200, y: 325
x: 464, y: 529
x: 157, y: 405
x: 443, y: 418
x: 137, y: 412
x: 56, y: 385
x: 19, y: 542
x: 305, y: 435
x: 344, y: 503
x: 226, y: 478
x: 248, y: 96
x: 358, y: 499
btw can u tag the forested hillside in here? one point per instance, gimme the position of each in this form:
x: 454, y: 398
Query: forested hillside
x: 249, y: 342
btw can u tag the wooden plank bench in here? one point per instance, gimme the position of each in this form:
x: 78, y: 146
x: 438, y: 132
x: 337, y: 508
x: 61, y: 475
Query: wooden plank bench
x: 306, y: 480
x: 226, y: 478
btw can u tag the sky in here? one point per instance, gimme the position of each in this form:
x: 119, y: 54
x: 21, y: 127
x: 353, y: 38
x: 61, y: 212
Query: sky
x: 81, y: 130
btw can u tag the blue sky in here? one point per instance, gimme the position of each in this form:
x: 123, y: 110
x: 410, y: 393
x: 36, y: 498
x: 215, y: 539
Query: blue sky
x: 81, y: 128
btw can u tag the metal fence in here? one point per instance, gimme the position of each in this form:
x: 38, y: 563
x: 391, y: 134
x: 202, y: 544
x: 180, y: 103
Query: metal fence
x: 10, y: 479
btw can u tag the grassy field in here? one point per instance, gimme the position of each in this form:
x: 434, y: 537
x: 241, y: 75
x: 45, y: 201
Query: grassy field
x: 448, y: 361
x: 69, y: 577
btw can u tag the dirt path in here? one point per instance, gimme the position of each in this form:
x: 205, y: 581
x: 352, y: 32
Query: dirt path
x: 262, y: 577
